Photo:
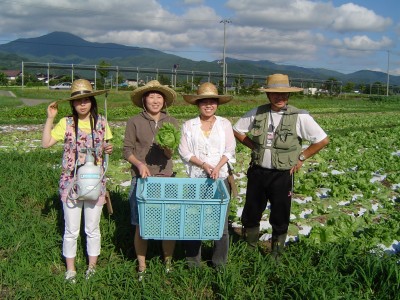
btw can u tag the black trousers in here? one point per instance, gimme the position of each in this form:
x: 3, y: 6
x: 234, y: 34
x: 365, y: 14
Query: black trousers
x: 265, y: 185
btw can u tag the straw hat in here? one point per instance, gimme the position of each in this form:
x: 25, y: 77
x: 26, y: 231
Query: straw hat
x: 81, y: 88
x: 279, y: 83
x: 153, y: 86
x: 207, y: 90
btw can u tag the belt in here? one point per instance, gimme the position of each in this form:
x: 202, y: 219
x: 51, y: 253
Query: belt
x: 258, y: 167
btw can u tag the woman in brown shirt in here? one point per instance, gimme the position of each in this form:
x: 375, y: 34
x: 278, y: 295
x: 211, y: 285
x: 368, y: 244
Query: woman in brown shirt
x: 147, y: 158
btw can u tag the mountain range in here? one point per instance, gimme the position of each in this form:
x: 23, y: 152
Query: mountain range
x: 66, y: 48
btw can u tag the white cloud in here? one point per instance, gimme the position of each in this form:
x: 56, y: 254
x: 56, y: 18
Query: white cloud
x: 201, y: 16
x: 265, y: 44
x: 305, y: 14
x: 285, y: 31
x: 285, y: 14
x: 352, y: 17
x: 395, y: 72
x: 363, y: 42
x: 397, y: 29
x: 191, y: 2
x: 295, y: 30
x: 81, y: 17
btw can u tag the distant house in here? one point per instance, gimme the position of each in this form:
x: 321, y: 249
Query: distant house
x: 41, y: 77
x: 132, y: 82
x: 310, y: 91
x: 315, y: 91
x: 128, y: 83
x: 12, y: 74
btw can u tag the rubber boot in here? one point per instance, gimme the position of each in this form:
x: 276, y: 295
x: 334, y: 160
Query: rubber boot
x: 278, y: 246
x: 193, y: 253
x: 251, y: 236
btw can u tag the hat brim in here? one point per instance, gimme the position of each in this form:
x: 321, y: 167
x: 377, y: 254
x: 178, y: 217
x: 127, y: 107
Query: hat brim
x: 137, y: 94
x: 222, y: 99
x: 84, y: 95
x: 282, y: 90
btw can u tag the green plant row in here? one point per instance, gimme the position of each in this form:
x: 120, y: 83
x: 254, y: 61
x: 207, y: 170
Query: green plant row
x: 340, y: 258
x: 119, y: 108
x: 32, y: 267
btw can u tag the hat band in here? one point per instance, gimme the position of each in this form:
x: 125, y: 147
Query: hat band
x: 208, y: 94
x: 278, y: 85
x: 80, y: 93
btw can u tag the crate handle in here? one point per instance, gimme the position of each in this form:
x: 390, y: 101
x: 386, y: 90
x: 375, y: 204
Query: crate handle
x: 141, y: 192
x: 220, y: 189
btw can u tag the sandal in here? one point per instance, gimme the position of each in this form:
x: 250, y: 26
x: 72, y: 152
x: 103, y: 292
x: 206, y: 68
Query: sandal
x: 70, y: 276
x: 141, y: 275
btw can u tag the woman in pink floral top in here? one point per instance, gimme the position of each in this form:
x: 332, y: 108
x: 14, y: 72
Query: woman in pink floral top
x: 84, y: 129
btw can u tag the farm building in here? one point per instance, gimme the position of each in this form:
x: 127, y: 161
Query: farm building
x: 12, y: 74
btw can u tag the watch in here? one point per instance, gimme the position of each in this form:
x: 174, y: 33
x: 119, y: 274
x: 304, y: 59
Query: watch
x: 302, y: 157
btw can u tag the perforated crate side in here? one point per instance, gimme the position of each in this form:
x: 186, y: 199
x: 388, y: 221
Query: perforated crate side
x: 194, y: 217
x: 181, y: 188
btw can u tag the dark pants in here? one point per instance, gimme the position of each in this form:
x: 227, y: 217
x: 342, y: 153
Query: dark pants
x: 220, y: 250
x: 265, y: 185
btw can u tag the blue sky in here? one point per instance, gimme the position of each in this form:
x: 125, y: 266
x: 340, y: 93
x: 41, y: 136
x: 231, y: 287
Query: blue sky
x: 339, y: 35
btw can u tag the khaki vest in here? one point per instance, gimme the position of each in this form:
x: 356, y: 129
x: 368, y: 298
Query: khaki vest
x: 286, y: 145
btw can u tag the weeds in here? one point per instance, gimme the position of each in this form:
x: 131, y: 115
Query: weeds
x: 343, y: 266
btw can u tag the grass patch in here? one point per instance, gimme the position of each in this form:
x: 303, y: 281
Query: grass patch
x: 9, y: 102
x: 341, y: 258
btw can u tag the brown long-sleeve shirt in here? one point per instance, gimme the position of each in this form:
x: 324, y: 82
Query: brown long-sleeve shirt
x: 140, y: 141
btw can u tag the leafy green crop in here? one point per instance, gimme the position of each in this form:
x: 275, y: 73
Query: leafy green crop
x: 345, y: 223
x: 168, y: 136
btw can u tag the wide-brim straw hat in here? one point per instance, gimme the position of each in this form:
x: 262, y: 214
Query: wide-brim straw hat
x: 153, y: 86
x: 207, y: 90
x: 81, y: 88
x: 279, y: 83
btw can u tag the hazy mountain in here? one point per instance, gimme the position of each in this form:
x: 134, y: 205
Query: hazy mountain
x: 10, y: 61
x: 62, y: 44
x: 62, y: 47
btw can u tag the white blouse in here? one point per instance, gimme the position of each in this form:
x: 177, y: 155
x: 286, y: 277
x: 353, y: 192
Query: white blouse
x: 209, y: 149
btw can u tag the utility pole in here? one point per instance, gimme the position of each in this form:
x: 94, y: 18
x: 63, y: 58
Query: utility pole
x: 387, y: 81
x: 225, y: 21
x: 176, y: 66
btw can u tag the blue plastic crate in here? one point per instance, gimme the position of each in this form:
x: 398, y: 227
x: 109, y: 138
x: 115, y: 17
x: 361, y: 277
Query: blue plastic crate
x: 181, y: 208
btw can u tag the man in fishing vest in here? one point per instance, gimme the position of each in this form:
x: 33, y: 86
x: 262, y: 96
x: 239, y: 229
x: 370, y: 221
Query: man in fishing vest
x: 274, y: 132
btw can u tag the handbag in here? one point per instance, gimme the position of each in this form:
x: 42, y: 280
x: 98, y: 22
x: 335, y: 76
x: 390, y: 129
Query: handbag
x: 231, y: 181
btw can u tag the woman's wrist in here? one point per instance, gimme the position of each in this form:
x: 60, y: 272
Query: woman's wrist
x: 138, y: 164
x: 202, y: 165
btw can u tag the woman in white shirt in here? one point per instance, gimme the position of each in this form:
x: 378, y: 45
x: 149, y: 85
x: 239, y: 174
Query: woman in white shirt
x: 207, y: 146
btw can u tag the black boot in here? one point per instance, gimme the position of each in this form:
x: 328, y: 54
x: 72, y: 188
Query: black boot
x: 251, y: 236
x: 278, y: 245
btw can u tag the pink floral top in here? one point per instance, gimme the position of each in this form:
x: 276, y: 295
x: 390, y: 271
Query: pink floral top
x: 73, y: 145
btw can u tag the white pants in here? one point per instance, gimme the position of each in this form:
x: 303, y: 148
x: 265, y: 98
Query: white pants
x: 72, y: 217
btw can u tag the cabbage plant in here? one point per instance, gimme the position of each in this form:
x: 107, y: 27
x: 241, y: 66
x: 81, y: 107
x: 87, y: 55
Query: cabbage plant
x: 168, y: 136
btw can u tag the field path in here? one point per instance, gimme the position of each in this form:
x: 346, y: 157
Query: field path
x: 33, y: 102
x: 26, y: 101
x: 7, y: 93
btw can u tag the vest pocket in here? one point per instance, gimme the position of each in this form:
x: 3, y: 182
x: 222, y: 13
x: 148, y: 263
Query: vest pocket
x: 284, y: 161
x: 285, y: 140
